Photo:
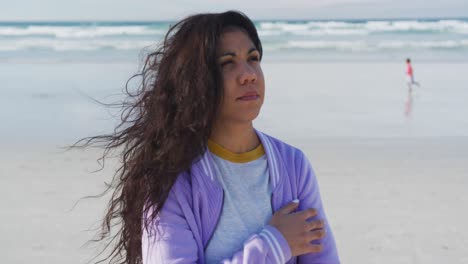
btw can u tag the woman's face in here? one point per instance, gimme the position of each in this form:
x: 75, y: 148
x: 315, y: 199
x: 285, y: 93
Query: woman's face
x: 244, y: 85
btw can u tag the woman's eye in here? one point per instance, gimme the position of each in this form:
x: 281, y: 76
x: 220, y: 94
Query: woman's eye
x: 224, y: 63
x: 254, y: 58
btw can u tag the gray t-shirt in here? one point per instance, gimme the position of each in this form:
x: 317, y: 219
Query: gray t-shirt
x: 246, y: 208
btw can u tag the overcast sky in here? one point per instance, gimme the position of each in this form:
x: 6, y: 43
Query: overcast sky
x: 137, y: 10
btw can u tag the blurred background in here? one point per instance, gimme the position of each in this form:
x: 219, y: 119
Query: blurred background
x: 392, y: 160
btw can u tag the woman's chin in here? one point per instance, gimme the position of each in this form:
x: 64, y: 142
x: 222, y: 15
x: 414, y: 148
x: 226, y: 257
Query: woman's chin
x: 249, y: 116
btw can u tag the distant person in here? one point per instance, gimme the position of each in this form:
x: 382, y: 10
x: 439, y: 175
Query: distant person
x: 410, y: 75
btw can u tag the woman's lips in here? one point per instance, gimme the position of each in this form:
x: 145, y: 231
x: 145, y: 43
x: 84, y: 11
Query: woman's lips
x: 249, y: 96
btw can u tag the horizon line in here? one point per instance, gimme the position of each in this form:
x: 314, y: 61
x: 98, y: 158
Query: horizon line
x: 254, y: 20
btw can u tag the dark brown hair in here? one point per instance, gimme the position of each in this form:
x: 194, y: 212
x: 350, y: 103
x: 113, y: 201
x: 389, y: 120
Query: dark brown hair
x: 164, y: 126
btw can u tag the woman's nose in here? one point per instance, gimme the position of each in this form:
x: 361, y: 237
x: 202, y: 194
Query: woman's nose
x: 247, y: 75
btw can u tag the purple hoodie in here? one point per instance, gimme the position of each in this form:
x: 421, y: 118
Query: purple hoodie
x: 191, y: 212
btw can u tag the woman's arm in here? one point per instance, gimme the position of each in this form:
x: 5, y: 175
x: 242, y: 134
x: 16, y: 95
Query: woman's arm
x: 170, y: 240
x: 173, y: 242
x: 309, y: 197
x: 269, y: 246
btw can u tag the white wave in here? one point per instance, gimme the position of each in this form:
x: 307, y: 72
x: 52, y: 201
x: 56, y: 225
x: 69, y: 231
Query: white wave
x: 266, y: 29
x: 79, y: 31
x: 117, y: 44
x: 340, y: 32
x: 368, y: 46
x: 445, y: 44
x: 72, y: 45
x: 268, y: 32
x: 338, y: 45
x: 454, y: 26
x: 363, y: 28
x: 334, y: 24
x: 317, y: 33
x: 310, y: 28
x: 284, y: 26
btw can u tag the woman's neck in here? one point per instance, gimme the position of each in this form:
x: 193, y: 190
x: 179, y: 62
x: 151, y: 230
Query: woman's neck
x: 235, y: 138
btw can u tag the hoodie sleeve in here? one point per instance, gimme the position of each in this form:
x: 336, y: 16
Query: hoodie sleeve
x: 172, y: 241
x: 309, y: 197
x: 169, y: 238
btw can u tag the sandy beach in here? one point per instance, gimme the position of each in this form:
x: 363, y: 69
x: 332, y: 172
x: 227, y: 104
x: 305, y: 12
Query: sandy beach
x: 394, y: 186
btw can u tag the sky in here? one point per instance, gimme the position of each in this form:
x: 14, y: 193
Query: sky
x: 155, y: 10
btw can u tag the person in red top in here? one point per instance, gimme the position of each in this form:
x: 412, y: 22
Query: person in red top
x: 410, y: 75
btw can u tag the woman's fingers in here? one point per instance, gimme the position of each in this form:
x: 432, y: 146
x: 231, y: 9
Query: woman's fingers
x: 315, y: 224
x: 290, y: 207
x: 306, y: 213
x: 312, y: 248
x: 300, y: 231
x: 306, y: 246
x: 315, y: 235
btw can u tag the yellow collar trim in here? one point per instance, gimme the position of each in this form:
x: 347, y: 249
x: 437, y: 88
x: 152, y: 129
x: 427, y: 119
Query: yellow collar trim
x: 244, y: 157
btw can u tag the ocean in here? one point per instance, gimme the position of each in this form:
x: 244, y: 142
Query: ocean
x: 323, y: 78
x: 333, y: 40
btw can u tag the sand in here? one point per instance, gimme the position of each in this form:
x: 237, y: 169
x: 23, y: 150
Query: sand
x: 394, y: 187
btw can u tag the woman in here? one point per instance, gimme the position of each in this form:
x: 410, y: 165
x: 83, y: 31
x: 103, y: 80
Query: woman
x: 198, y: 183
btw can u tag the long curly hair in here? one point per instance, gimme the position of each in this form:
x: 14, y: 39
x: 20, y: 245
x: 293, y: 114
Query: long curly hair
x: 164, y: 126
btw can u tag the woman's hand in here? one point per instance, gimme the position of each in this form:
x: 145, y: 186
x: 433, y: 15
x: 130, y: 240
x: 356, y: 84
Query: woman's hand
x: 297, y: 231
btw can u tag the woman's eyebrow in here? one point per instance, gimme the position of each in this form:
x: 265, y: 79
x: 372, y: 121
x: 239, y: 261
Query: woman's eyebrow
x: 228, y: 53
x: 233, y: 54
x: 252, y: 50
